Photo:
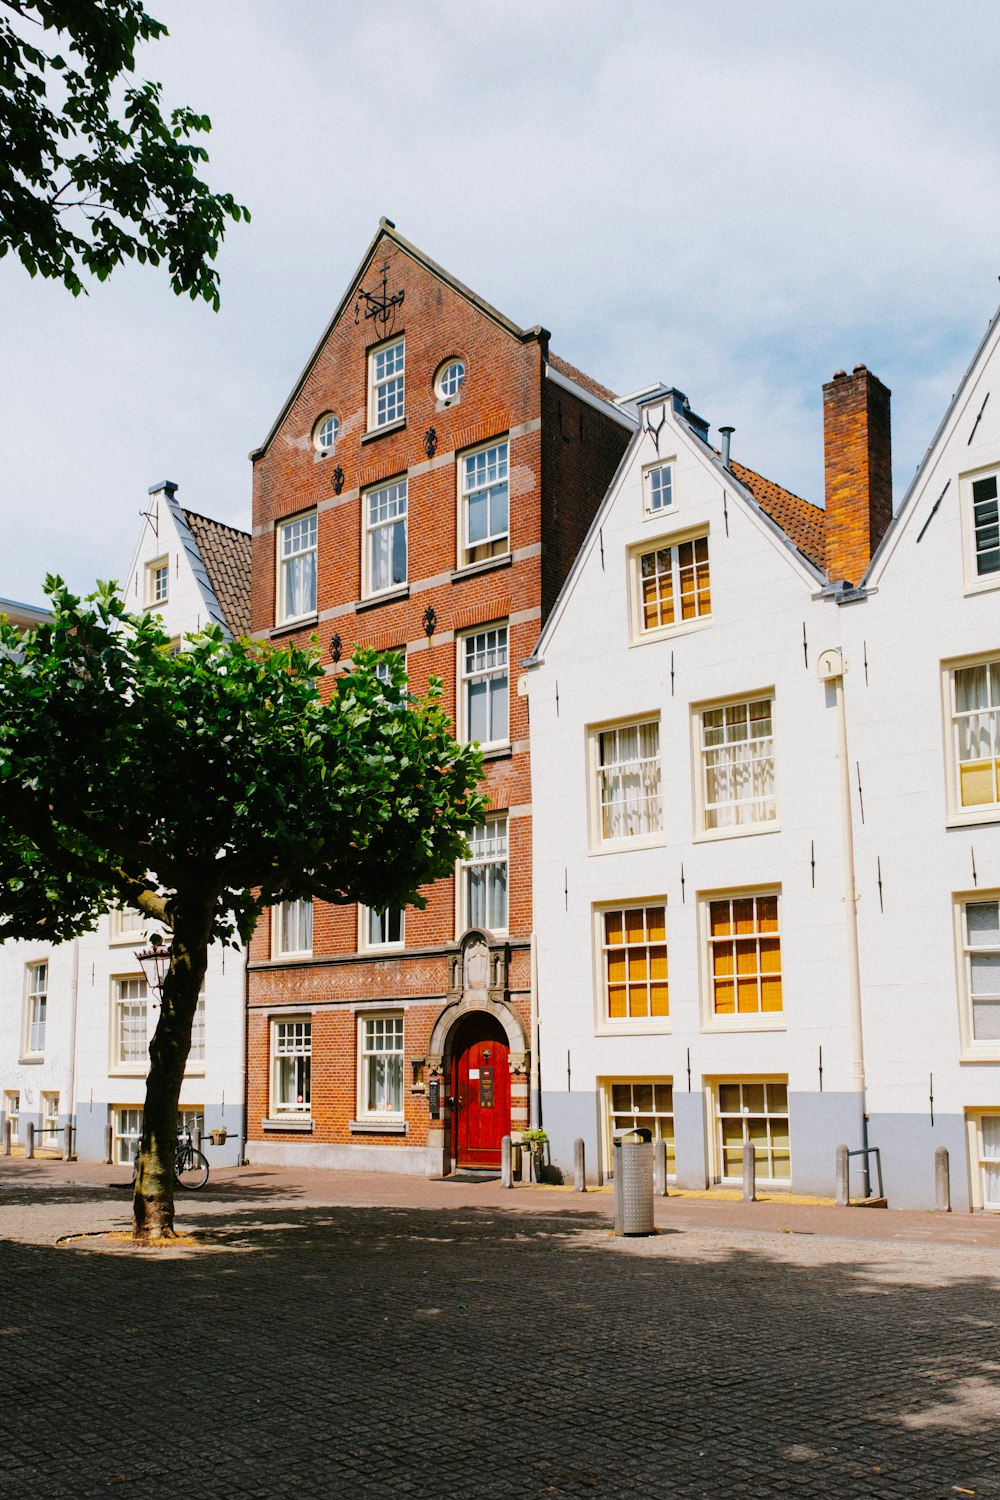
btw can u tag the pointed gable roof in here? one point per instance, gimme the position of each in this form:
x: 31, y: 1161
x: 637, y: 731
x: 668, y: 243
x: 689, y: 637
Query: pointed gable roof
x: 225, y: 553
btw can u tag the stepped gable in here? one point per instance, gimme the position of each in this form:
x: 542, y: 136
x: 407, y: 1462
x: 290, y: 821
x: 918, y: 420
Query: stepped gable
x: 802, y: 522
x: 226, y: 555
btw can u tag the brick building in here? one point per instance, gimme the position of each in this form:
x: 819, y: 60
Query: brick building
x: 424, y: 489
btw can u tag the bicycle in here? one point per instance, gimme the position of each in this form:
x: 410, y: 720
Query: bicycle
x: 190, y: 1166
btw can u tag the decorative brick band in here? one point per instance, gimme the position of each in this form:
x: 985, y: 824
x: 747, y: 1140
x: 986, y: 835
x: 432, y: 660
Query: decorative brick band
x: 493, y: 424
x: 497, y: 608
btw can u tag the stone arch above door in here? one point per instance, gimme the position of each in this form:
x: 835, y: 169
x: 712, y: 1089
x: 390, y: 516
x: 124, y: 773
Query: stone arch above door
x: 457, y: 1010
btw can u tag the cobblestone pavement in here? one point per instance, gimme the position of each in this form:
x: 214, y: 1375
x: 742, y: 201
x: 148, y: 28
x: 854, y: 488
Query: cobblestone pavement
x: 485, y: 1346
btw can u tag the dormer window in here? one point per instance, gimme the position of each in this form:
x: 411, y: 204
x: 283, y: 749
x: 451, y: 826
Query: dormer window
x: 658, y: 489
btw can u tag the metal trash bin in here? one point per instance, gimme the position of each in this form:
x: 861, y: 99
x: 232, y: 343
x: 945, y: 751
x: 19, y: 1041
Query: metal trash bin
x: 633, y: 1168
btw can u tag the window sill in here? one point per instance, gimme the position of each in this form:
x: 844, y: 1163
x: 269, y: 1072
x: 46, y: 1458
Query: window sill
x: 301, y: 1127
x: 389, y: 596
x: 982, y: 585
x: 668, y: 632
x: 640, y: 1027
x: 377, y: 1127
x: 288, y: 627
x: 981, y: 818
x: 498, y: 752
x: 968, y: 1056
x: 34, y: 1060
x: 377, y: 432
x: 623, y: 846
x: 488, y: 565
x: 746, y: 830
x: 195, y: 1070
x: 292, y: 958
x: 751, y: 1023
x: 137, y: 1071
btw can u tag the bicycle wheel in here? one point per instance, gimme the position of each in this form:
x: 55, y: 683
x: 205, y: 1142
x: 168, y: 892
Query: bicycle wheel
x: 191, y: 1170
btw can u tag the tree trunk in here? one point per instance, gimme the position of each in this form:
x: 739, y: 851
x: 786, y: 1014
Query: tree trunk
x: 153, y: 1201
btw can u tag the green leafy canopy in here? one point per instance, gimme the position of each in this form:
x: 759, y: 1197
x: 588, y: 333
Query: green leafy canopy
x: 91, y: 172
x: 218, y: 779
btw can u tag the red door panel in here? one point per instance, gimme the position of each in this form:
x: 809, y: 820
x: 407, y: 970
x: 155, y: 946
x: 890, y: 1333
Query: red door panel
x: 481, y: 1090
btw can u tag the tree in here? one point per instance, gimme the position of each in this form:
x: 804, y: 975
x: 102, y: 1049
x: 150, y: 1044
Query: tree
x: 203, y: 787
x: 85, y: 184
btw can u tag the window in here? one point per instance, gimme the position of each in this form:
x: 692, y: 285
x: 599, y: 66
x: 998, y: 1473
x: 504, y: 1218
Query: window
x: 485, y: 504
x: 385, y: 537
x: 987, y: 1148
x: 12, y: 1109
x: 127, y: 925
x: 628, y: 781
x: 659, y: 488
x: 671, y: 585
x: 129, y: 1024
x: 449, y: 380
x: 382, y: 929
x: 297, y: 568
x: 196, y: 1053
x: 976, y: 735
x: 737, y: 765
x: 383, y: 669
x: 642, y: 1104
x: 387, y: 382
x: 36, y: 1004
x: 981, y: 964
x: 157, y: 582
x: 292, y: 1056
x: 325, y: 432
x: 483, y: 878
x: 50, y: 1119
x: 382, y: 1065
x: 634, y: 962
x: 485, y: 687
x: 293, y: 927
x: 755, y: 1113
x: 744, y: 956
x: 126, y: 1124
x: 985, y: 527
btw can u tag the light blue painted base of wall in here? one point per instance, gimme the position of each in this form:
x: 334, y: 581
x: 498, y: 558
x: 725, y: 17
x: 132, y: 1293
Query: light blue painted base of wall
x: 91, y: 1123
x: 818, y: 1124
x: 566, y: 1117
x: 690, y: 1142
x: 907, y: 1144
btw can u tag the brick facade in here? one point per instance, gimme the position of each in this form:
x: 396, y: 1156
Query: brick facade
x: 857, y: 451
x: 565, y: 440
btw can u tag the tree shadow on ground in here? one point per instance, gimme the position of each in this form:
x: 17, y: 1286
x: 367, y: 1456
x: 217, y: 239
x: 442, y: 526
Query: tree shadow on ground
x: 476, y: 1352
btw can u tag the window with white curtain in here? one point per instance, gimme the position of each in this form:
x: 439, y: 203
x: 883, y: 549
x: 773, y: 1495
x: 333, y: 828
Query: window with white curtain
x: 381, y: 1065
x: 981, y: 944
x: 737, y: 764
x: 629, y: 799
x: 485, y: 691
x: 293, y: 922
x: 385, y: 537
x: 483, y: 878
x: 975, y: 713
x: 988, y: 1144
x: 297, y: 568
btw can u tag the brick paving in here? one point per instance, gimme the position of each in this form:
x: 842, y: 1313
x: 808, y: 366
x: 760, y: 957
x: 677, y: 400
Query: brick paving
x: 348, y: 1336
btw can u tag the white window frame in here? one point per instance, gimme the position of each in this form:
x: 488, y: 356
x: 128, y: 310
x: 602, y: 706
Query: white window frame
x: 126, y: 924
x: 388, y: 381
x: 134, y: 1067
x: 644, y: 767
x: 374, y: 1026
x: 49, y: 1116
x: 158, y: 582
x: 12, y: 1110
x: 196, y: 1055
x: 496, y: 543
x: 983, y: 812
x: 327, y: 424
x: 973, y: 1049
x: 604, y: 1023
x: 652, y: 1119
x: 291, y: 1043
x: 36, y: 1004
x: 673, y: 541
x: 975, y: 582
x: 391, y: 498
x: 700, y: 754
x: 653, y: 503
x: 295, y: 925
x: 717, y: 1114
x: 758, y: 1020
x: 479, y: 639
x: 982, y: 1154
x: 126, y: 1127
x: 448, y: 387
x: 367, y: 918
x: 489, y: 849
x: 284, y: 563
x: 382, y: 666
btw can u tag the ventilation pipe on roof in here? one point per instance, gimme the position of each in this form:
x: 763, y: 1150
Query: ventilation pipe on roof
x: 726, y: 434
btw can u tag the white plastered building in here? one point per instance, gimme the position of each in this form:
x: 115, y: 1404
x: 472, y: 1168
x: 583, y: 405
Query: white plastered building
x: 76, y: 1018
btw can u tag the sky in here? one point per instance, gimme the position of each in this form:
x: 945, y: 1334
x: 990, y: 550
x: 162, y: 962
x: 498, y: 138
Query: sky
x: 736, y: 197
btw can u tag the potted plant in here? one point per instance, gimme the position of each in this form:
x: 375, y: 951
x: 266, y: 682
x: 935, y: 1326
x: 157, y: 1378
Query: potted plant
x: 535, y: 1141
x: 218, y: 1136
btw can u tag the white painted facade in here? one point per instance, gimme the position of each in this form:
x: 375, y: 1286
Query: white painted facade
x: 769, y: 622
x: 97, y: 1013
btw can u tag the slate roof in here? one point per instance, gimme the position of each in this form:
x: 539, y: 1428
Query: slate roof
x: 226, y: 555
x: 802, y: 522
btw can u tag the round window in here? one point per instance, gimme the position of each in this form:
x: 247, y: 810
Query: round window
x: 325, y: 432
x: 449, y: 379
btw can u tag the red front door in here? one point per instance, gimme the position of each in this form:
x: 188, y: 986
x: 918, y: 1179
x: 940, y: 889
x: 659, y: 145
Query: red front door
x: 481, y: 1090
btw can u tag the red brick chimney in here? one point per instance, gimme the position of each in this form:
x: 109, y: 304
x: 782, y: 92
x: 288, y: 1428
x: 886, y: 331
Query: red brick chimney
x: 857, y: 448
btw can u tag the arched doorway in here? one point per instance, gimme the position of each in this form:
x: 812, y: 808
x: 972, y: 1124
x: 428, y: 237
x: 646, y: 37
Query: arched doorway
x: 480, y: 1088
